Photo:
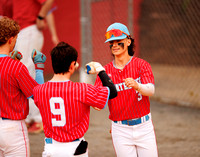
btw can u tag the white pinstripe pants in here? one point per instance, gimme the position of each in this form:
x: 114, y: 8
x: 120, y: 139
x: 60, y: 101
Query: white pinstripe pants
x: 14, y: 141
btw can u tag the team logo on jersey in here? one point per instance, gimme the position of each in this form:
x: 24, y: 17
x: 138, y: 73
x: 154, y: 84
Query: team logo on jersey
x: 122, y: 86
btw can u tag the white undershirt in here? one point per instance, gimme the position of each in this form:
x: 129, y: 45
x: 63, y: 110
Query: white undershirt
x: 146, y: 89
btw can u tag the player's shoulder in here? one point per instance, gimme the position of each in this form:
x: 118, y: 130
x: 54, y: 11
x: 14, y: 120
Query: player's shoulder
x: 14, y: 63
x: 40, y: 86
x: 139, y: 61
x: 81, y: 84
x: 109, y: 65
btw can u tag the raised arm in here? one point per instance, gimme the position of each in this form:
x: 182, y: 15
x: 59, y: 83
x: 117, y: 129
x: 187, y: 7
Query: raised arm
x: 97, y: 68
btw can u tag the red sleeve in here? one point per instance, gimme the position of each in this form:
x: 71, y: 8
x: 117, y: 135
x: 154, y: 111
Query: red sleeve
x: 146, y: 74
x: 98, y: 82
x: 26, y: 82
x: 41, y: 1
x: 97, y: 96
x: 6, y: 8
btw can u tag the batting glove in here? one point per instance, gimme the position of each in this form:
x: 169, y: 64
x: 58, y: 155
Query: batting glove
x: 16, y: 55
x: 38, y: 59
x: 93, y: 68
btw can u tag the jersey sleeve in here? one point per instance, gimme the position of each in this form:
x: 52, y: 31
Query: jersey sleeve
x: 146, y: 73
x: 41, y: 1
x: 26, y: 82
x: 97, y: 96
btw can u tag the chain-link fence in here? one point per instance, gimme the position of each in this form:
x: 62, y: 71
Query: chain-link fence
x: 170, y: 41
x: 167, y: 35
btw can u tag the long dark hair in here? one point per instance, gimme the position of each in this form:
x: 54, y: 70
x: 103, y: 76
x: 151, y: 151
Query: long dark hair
x: 131, y: 47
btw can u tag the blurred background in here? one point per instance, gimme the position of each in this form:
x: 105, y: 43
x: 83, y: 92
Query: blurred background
x: 166, y: 34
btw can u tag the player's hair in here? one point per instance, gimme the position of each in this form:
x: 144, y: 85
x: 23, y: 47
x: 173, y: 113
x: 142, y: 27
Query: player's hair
x: 131, y: 47
x: 62, y: 56
x: 8, y: 28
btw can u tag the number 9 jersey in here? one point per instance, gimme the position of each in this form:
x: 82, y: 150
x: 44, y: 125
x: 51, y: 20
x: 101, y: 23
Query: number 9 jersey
x: 65, y: 107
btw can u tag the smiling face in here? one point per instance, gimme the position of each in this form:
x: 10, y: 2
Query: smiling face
x: 119, y: 47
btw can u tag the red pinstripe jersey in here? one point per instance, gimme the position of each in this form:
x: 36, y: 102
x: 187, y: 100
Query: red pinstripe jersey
x: 16, y: 85
x: 65, y: 107
x: 129, y: 103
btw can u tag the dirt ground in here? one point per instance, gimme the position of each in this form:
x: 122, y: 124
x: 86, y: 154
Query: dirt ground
x: 177, y: 132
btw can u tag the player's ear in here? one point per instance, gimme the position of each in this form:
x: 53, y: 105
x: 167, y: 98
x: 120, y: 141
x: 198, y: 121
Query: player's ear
x: 72, y: 66
x: 128, y: 42
x: 10, y: 40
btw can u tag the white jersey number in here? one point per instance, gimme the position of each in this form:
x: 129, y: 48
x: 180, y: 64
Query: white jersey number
x: 58, y: 111
x: 139, y: 96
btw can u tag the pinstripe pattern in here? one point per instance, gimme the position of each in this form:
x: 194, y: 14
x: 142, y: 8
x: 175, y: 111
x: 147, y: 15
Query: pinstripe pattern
x: 77, y: 99
x: 129, y: 104
x: 16, y: 85
x: 25, y: 143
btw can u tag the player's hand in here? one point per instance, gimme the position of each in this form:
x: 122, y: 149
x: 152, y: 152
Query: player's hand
x: 93, y: 68
x: 38, y: 59
x: 41, y: 25
x: 96, y: 108
x: 16, y: 55
x: 131, y: 83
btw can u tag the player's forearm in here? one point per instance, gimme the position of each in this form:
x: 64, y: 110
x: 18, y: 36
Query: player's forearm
x: 39, y: 77
x: 146, y: 89
x: 106, y: 81
x: 52, y: 28
x: 45, y: 8
x: 51, y: 24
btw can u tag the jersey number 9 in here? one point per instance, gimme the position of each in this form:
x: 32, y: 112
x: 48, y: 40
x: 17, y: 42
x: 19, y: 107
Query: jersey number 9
x: 58, y: 111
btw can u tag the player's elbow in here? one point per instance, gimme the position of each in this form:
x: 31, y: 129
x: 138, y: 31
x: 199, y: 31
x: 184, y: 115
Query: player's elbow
x: 113, y: 93
x: 152, y: 91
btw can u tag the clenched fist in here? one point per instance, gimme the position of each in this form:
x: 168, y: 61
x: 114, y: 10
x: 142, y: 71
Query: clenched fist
x: 93, y: 68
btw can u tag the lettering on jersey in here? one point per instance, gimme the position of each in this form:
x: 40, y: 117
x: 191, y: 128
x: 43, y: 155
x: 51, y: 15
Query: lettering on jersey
x: 122, y: 87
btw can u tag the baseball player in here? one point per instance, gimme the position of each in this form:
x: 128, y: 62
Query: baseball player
x: 31, y: 15
x: 65, y: 105
x: 16, y: 87
x: 132, y: 129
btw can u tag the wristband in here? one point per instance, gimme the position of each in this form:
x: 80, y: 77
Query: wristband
x: 40, y: 17
x: 39, y: 66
